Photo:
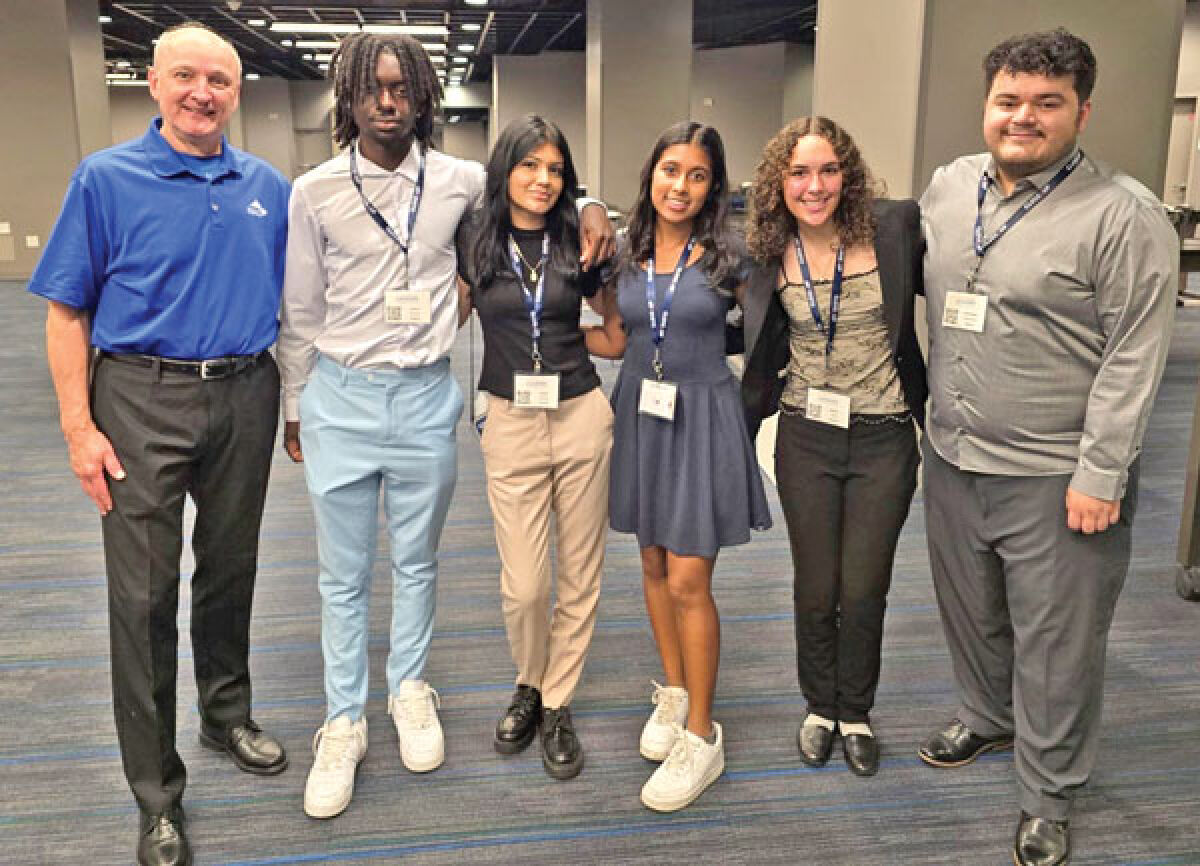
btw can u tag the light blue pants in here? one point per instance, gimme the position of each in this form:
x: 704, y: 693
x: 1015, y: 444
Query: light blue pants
x: 361, y: 431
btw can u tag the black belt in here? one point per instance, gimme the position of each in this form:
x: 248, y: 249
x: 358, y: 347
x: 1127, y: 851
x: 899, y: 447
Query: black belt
x: 213, y: 368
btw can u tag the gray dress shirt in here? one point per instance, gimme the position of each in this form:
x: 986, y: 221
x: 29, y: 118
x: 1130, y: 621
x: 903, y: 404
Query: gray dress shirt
x: 1081, y: 297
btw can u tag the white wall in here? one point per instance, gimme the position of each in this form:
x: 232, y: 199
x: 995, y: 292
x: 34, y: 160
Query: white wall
x: 267, y: 122
x: 466, y: 140
x: 867, y: 79
x: 1187, y: 79
x: 740, y: 92
x: 797, y: 81
x: 549, y: 84
x: 129, y: 111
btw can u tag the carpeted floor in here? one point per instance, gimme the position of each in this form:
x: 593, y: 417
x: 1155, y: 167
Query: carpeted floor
x: 63, y: 798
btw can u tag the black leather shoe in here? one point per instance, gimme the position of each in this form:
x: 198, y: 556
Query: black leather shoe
x: 957, y: 745
x: 1041, y: 842
x: 562, y: 756
x: 862, y: 754
x: 162, y: 841
x: 518, y: 726
x: 816, y: 744
x: 253, y: 750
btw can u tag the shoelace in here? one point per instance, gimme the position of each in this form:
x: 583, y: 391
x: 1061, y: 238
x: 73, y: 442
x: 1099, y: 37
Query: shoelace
x: 679, y: 762
x: 332, y: 749
x: 667, y: 703
x: 415, y: 706
x: 560, y: 721
x: 525, y: 704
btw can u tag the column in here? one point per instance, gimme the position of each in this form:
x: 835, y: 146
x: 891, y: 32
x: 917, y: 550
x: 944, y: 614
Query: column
x: 639, y: 59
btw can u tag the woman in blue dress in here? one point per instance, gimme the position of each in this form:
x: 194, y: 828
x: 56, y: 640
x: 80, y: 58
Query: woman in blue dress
x: 684, y: 476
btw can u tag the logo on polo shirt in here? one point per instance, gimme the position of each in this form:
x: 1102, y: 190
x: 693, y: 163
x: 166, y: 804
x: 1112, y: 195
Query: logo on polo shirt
x: 255, y: 208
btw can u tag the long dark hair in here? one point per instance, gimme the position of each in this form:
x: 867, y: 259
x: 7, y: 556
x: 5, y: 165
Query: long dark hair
x: 490, y: 253
x: 722, y: 253
x: 352, y: 69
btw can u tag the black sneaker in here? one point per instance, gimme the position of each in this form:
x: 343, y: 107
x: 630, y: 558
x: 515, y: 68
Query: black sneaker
x: 562, y: 756
x: 517, y: 727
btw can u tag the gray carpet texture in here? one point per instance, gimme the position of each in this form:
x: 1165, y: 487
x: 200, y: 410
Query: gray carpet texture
x: 63, y: 798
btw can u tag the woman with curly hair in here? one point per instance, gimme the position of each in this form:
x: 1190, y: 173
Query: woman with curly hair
x: 830, y: 345
x: 684, y: 476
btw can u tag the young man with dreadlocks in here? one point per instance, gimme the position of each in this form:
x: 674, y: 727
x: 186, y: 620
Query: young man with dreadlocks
x: 370, y: 312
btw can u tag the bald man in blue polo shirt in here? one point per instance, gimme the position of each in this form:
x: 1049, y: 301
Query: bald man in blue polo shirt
x: 164, y: 270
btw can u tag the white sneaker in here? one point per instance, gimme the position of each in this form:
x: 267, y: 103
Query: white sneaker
x: 339, y: 746
x: 670, y: 714
x: 691, y: 767
x: 414, y: 710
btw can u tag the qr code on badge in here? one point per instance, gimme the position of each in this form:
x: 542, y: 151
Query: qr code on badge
x: 951, y: 317
x: 524, y: 396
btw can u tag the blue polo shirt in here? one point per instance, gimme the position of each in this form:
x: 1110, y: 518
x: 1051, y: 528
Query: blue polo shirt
x: 172, y: 255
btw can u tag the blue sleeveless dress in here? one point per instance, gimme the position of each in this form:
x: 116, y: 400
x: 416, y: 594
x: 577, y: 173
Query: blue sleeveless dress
x: 692, y: 485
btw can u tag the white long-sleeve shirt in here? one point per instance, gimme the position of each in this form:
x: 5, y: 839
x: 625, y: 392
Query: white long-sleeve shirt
x: 340, y: 264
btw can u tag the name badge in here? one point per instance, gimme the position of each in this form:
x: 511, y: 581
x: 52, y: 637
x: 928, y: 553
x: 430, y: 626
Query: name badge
x: 535, y: 390
x: 965, y: 311
x: 658, y: 399
x: 827, y: 408
x: 407, y: 307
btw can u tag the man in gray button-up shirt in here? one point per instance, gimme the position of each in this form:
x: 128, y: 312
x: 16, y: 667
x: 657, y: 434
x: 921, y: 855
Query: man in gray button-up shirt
x: 1050, y: 281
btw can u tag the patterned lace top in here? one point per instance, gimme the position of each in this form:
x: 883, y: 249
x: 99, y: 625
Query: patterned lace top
x: 860, y: 365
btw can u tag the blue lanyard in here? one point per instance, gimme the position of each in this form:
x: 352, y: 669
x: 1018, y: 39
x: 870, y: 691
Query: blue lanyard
x: 835, y: 295
x: 982, y: 245
x: 413, y: 206
x: 533, y: 302
x: 658, y: 327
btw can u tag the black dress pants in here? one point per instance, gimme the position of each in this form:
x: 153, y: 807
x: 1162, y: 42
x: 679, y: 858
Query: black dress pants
x: 177, y: 435
x: 845, y: 496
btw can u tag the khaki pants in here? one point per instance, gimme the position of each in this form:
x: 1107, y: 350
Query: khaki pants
x: 537, y: 462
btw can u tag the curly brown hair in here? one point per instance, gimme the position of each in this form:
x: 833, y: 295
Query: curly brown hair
x: 771, y: 225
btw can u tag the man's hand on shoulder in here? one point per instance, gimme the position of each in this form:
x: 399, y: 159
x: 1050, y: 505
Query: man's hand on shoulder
x: 291, y: 441
x: 92, y: 456
x: 597, y: 239
x: 1090, y: 515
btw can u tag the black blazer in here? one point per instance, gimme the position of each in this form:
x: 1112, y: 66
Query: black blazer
x: 899, y: 252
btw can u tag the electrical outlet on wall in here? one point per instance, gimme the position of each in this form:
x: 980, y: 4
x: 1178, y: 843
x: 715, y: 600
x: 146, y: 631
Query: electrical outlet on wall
x: 32, y: 242
x: 5, y: 228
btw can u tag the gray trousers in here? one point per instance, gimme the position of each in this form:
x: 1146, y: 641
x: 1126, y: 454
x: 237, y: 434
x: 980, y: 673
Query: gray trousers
x: 1026, y: 605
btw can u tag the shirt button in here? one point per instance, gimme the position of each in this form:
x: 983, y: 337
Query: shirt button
x: 215, y: 207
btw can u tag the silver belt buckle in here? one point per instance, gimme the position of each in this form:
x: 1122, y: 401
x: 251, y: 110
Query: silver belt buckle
x: 205, y: 366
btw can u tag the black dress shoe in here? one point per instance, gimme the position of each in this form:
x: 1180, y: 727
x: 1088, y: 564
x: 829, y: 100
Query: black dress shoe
x: 862, y: 754
x: 816, y: 744
x: 162, y: 841
x: 958, y: 745
x: 562, y: 756
x: 252, y: 749
x: 1041, y: 842
x: 517, y: 728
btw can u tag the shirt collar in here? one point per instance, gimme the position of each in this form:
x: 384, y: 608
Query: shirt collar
x: 166, y: 161
x: 406, y: 169
x: 1031, y: 181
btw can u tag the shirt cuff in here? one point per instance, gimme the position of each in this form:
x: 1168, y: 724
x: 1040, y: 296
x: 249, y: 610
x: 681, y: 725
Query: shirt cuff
x: 291, y: 404
x: 1108, y: 486
x: 583, y: 201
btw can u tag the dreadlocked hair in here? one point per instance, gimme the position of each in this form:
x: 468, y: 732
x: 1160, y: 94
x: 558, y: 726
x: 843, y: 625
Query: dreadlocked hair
x: 352, y: 70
